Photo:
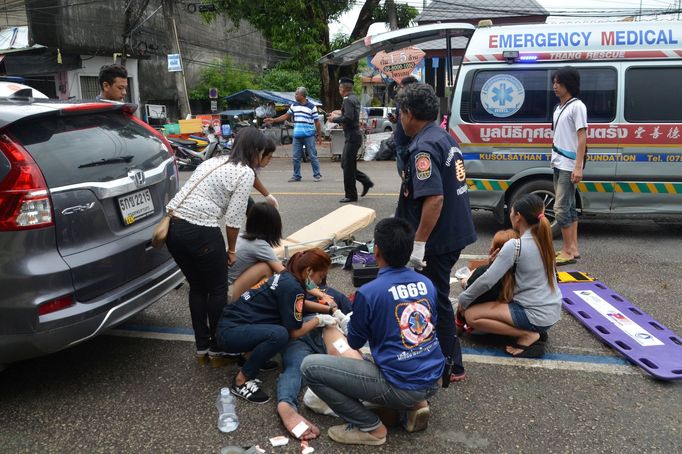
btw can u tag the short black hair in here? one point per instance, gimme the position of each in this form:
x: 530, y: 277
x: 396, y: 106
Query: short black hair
x: 263, y: 222
x: 395, y: 239
x: 269, y: 148
x: 569, y: 77
x: 409, y: 80
x: 420, y: 100
x: 248, y: 145
x: 108, y: 73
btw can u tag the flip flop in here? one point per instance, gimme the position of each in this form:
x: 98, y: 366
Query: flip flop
x: 564, y: 261
x: 534, y: 350
x: 577, y: 257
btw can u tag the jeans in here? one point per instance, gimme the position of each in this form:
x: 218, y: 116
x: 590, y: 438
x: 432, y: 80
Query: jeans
x: 297, y: 151
x: 343, y: 382
x: 200, y: 253
x: 289, y: 381
x: 349, y: 164
x: 438, y: 269
x: 263, y: 341
x: 564, y: 202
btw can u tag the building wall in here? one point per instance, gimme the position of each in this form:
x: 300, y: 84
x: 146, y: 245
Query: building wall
x: 91, y: 66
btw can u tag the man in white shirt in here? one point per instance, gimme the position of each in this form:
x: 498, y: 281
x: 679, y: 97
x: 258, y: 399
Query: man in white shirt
x: 568, y: 156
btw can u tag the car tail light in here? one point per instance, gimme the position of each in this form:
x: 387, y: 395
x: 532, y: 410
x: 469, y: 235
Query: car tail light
x: 55, y: 305
x: 24, y: 198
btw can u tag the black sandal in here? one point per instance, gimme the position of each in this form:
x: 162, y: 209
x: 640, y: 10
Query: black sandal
x: 534, y: 350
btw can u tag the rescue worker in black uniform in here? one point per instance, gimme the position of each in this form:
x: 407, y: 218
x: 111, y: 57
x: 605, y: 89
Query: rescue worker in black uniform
x: 434, y: 199
x: 350, y: 120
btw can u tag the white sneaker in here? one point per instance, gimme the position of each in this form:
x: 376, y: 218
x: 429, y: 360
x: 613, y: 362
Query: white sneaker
x: 314, y: 403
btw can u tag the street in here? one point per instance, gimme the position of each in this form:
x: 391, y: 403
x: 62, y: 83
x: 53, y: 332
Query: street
x: 139, y: 389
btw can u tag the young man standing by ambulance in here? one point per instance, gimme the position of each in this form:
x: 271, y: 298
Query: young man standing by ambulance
x: 569, y: 146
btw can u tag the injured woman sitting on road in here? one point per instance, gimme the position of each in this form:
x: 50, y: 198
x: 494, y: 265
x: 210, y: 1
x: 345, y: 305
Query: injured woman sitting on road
x: 536, y: 303
x: 256, y: 261
x: 263, y: 320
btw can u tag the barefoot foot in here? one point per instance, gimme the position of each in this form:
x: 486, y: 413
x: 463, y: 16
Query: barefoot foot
x: 290, y: 418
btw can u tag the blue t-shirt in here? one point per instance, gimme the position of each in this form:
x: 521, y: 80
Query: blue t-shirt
x: 436, y: 167
x: 304, y: 117
x: 278, y: 302
x: 397, y: 314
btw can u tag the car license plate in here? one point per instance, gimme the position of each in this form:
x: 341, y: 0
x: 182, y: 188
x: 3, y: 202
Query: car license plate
x: 136, y: 206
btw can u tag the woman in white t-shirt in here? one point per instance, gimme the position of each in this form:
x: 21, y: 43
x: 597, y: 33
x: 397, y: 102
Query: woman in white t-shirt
x: 216, y: 193
x: 568, y: 156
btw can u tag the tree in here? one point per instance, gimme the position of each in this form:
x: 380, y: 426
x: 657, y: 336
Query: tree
x: 280, y: 79
x: 301, y: 28
x: 224, y: 75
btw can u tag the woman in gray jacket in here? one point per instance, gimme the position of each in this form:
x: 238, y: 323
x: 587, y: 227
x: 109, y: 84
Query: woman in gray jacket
x: 536, y: 304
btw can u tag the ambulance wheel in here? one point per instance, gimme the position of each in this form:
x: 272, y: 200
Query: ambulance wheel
x: 543, y: 189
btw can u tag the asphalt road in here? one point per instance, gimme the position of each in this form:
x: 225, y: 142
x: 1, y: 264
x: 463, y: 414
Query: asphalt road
x: 139, y: 388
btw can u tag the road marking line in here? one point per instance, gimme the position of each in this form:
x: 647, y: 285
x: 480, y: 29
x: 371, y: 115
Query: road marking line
x: 552, y: 364
x: 335, y: 194
x: 553, y: 361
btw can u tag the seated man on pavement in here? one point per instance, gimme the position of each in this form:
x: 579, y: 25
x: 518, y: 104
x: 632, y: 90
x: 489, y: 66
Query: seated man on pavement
x: 396, y: 313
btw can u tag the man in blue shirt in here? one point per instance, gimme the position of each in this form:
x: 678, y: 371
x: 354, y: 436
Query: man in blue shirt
x: 397, y: 314
x: 306, y: 127
x: 434, y: 200
x: 400, y: 139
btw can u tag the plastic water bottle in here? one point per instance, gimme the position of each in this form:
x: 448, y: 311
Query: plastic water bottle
x: 227, y: 416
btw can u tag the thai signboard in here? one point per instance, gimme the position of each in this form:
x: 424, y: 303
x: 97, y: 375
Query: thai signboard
x: 398, y: 64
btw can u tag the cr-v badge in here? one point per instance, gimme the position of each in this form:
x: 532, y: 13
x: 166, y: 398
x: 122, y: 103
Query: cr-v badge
x: 77, y: 208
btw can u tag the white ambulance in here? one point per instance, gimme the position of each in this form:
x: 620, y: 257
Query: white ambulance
x: 502, y: 105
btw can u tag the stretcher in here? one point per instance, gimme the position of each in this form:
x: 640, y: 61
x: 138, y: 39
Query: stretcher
x: 332, y: 232
x: 618, y: 323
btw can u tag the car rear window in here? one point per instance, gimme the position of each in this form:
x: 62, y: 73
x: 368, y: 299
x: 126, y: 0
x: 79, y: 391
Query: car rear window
x: 89, y: 147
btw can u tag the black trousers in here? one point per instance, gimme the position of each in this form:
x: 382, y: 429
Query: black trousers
x: 200, y: 253
x: 438, y: 269
x: 349, y: 164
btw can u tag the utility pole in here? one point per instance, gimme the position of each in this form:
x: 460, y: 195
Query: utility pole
x: 172, y: 36
x: 392, y: 15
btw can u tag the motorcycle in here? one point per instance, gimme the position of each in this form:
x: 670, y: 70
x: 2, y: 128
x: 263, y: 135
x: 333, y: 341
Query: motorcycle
x: 187, y: 154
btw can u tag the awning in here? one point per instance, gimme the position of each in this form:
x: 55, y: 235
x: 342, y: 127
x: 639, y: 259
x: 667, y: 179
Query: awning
x: 254, y: 98
x: 395, y: 40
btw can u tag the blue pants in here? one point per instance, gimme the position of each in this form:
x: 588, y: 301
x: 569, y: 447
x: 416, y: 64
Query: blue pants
x: 263, y: 341
x: 438, y: 269
x: 564, y: 202
x: 297, y: 150
x: 289, y: 382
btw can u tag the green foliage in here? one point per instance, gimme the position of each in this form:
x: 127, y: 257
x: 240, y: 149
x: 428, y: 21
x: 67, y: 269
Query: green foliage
x: 282, y: 79
x: 227, y: 77
x: 404, y: 13
x: 339, y: 41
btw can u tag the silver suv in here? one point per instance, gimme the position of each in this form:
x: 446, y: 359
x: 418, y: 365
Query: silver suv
x: 378, y: 119
x: 81, y: 188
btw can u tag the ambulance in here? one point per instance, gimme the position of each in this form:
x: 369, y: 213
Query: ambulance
x: 631, y: 84
x: 502, y: 105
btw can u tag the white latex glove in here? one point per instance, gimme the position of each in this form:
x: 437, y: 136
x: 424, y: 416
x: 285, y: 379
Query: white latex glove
x: 325, y: 320
x: 338, y: 315
x: 417, y: 257
x: 272, y: 200
x: 343, y: 324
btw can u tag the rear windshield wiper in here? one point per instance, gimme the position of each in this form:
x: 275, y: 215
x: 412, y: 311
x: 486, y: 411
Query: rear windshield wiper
x: 107, y: 161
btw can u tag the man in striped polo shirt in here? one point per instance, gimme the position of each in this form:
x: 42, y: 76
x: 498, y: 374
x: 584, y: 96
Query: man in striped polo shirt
x: 306, y: 127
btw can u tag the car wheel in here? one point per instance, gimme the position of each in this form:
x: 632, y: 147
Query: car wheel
x: 388, y: 129
x: 543, y: 189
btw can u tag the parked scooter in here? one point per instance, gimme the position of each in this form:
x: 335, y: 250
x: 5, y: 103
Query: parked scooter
x: 189, y: 156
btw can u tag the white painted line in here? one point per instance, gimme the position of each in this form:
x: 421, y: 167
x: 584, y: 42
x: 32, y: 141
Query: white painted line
x: 552, y: 364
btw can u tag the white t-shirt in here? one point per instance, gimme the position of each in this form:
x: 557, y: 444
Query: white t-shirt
x: 221, y: 196
x: 572, y: 119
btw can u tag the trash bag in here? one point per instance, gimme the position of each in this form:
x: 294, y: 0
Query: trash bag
x: 386, y: 150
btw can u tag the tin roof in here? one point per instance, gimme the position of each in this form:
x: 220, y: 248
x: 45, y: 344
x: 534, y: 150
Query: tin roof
x: 457, y: 10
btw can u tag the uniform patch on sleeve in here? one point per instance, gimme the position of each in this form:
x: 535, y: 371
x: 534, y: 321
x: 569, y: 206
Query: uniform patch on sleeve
x: 298, y: 307
x: 461, y: 173
x: 422, y: 164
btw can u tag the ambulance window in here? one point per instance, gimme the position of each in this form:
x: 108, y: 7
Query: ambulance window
x: 495, y: 96
x: 653, y: 94
x: 598, y: 93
